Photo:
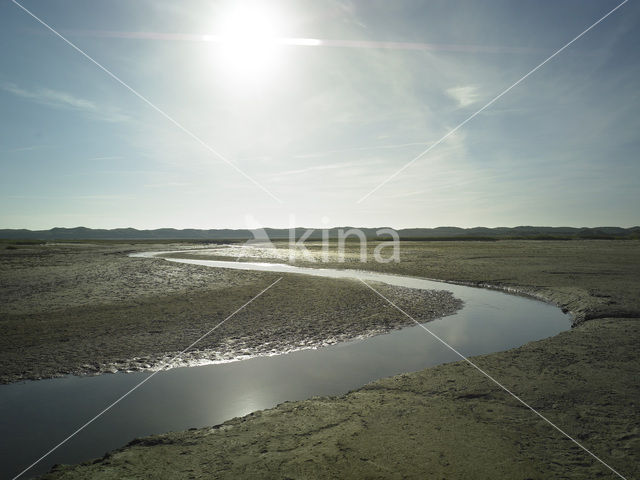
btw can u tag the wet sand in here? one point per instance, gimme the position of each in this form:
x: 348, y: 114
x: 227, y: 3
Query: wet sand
x: 87, y: 309
x: 450, y: 421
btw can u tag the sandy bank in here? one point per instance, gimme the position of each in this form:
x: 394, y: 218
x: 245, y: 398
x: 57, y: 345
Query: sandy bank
x: 90, y: 309
x: 450, y: 421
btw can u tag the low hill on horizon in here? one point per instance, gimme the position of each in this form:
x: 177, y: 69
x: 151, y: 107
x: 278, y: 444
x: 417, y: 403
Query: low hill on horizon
x: 528, y: 232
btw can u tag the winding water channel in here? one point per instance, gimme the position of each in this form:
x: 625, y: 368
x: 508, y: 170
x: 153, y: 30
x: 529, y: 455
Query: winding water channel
x: 36, y: 415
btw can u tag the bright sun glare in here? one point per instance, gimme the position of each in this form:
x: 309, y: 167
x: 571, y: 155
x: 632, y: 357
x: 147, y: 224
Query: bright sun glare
x: 248, y: 42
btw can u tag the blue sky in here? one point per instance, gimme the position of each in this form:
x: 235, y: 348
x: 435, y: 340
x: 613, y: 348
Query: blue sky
x: 343, y: 95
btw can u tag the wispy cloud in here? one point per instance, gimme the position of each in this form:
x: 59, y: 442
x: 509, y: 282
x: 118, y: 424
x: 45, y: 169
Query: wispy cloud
x: 65, y: 100
x: 112, y: 157
x: 353, y: 149
x: 167, y: 185
x: 314, y: 42
x: 71, y: 197
x: 49, y: 97
x: 464, y: 96
x: 314, y: 168
x: 28, y: 148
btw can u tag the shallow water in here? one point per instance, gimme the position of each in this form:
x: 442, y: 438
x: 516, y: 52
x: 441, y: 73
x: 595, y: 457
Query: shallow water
x: 35, y: 416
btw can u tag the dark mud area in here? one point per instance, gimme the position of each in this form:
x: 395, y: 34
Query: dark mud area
x: 87, y: 309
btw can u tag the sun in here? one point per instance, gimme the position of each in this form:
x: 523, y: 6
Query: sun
x: 247, y: 42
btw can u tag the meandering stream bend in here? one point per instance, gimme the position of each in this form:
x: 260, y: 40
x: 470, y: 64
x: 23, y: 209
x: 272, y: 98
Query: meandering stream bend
x: 36, y: 415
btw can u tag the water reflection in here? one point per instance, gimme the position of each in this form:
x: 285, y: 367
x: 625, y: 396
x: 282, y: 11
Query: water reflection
x: 37, y: 415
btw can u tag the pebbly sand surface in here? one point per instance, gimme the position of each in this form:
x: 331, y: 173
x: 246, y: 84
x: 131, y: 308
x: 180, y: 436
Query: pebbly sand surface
x: 87, y: 309
x: 451, y: 422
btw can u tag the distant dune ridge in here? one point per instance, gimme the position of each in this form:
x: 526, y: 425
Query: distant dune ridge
x: 481, y: 233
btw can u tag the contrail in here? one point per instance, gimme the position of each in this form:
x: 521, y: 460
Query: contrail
x: 308, y: 42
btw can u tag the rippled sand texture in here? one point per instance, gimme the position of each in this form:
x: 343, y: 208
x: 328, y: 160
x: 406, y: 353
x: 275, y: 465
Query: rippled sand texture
x: 88, y: 309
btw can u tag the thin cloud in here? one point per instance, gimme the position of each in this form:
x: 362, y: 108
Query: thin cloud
x: 314, y: 42
x: 464, y: 96
x: 64, y: 100
x: 112, y: 157
x: 70, y: 197
x: 28, y: 148
x: 168, y: 185
x: 49, y: 97
x: 352, y: 149
x: 314, y: 168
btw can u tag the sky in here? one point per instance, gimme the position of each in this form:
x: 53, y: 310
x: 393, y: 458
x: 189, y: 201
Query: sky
x: 272, y: 113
